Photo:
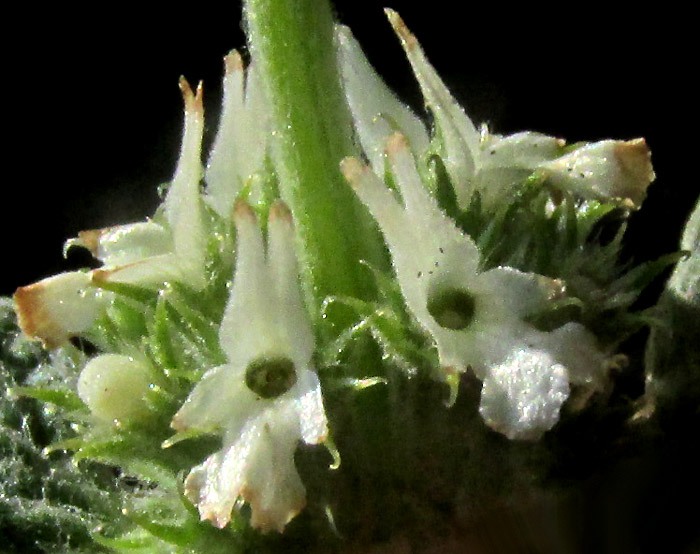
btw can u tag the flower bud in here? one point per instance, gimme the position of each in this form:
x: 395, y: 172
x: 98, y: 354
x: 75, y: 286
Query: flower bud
x: 113, y: 386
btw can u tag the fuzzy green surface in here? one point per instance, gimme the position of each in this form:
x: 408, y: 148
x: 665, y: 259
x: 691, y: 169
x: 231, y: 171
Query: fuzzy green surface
x: 47, y: 503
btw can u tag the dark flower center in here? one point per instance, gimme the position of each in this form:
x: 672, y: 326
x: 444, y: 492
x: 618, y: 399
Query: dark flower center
x: 451, y: 308
x: 270, y: 377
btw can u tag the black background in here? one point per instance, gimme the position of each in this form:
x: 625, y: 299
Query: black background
x: 93, y: 111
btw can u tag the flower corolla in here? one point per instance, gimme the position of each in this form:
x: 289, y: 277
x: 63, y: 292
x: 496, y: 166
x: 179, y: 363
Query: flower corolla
x: 475, y: 159
x: 476, y: 318
x: 171, y: 246
x: 267, y: 397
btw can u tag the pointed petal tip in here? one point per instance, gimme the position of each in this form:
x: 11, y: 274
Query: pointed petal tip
x: 635, y: 157
x: 51, y: 310
x: 193, y: 100
x: 408, y: 39
x: 353, y: 170
x: 396, y: 144
x: 242, y: 211
x: 342, y: 32
x: 279, y: 211
x: 233, y: 62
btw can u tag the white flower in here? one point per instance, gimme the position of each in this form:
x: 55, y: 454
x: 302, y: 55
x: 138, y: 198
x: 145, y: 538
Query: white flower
x: 476, y: 318
x: 240, y: 147
x: 146, y: 253
x: 267, y: 396
x: 606, y: 170
x: 58, y: 307
x: 376, y: 111
x: 475, y: 159
x: 150, y: 252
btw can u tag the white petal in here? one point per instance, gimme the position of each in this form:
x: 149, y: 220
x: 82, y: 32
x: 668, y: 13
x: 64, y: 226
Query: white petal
x: 250, y: 327
x: 258, y: 467
x: 376, y: 111
x: 514, y: 294
x: 459, y: 136
x: 125, y: 244
x: 312, y: 416
x: 274, y: 489
x: 239, y: 149
x: 605, y: 170
x: 507, y: 161
x: 577, y: 348
x: 521, y: 397
x: 214, y: 501
x: 182, y: 203
x: 221, y: 400
x: 293, y: 319
x: 525, y: 150
x: 56, y: 308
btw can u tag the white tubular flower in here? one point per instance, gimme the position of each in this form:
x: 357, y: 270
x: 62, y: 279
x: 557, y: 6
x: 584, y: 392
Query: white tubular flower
x: 477, y: 319
x: 240, y: 146
x: 267, y: 397
x: 609, y: 169
x: 477, y: 160
x: 146, y: 252
x: 459, y: 137
x: 376, y: 111
x: 54, y: 309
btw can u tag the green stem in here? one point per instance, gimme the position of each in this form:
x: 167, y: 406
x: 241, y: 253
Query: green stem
x: 292, y: 41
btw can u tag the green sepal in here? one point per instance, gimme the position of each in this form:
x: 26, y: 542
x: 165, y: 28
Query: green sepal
x: 63, y: 398
x: 444, y: 190
x: 159, y: 339
x: 183, y: 436
x: 639, y: 277
x: 181, y: 534
x: 137, y: 293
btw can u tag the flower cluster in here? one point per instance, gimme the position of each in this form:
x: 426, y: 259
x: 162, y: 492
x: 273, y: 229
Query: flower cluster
x: 477, y: 318
x: 258, y: 385
x: 476, y: 159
